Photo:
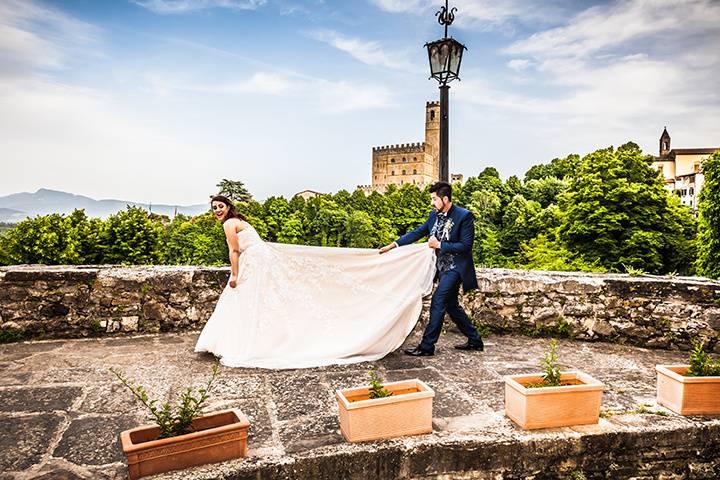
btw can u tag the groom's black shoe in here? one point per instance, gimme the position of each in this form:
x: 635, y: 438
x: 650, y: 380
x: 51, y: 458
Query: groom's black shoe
x: 418, y: 352
x: 479, y: 346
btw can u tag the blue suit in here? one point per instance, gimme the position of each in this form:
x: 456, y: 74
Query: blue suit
x: 456, y: 268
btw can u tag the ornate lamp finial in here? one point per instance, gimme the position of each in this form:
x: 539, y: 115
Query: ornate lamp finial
x: 446, y: 16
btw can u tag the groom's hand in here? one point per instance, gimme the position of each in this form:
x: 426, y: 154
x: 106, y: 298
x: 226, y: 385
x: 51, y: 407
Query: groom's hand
x: 387, y: 248
x: 433, y: 242
x: 233, y: 281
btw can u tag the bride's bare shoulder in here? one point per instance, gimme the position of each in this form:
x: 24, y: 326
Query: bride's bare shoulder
x: 235, y: 224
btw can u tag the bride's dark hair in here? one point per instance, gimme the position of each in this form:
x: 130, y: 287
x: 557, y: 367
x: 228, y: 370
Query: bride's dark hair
x: 232, y: 211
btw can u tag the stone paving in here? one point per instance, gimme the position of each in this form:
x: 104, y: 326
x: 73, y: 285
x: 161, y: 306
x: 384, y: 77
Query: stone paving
x: 61, y: 410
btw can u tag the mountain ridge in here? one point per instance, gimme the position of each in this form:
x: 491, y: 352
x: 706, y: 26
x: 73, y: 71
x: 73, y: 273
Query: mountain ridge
x: 18, y: 206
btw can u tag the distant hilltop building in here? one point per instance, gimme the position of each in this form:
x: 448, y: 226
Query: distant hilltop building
x: 415, y: 163
x: 308, y: 194
x: 682, y: 169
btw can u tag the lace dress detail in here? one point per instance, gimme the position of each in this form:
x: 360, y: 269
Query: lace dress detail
x: 297, y: 306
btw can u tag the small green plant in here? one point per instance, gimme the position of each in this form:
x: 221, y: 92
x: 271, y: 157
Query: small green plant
x: 145, y: 289
x: 701, y: 364
x: 482, y: 330
x: 577, y: 475
x: 178, y: 420
x: 551, y: 369
x: 95, y: 326
x: 634, y: 272
x: 376, y: 388
x: 644, y: 408
x: 672, y: 274
x: 9, y: 335
x: 641, y: 409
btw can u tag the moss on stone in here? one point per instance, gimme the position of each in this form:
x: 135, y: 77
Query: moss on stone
x: 9, y: 335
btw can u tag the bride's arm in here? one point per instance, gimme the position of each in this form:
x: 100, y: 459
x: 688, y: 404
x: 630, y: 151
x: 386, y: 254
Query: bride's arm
x: 234, y: 250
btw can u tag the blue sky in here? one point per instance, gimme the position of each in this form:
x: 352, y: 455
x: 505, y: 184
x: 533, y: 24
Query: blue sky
x: 157, y: 100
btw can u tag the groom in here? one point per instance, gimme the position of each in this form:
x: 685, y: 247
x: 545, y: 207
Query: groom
x: 452, y: 232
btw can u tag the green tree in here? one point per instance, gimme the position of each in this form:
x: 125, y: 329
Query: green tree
x: 198, y: 240
x: 517, y: 224
x: 234, y: 190
x: 294, y: 229
x: 329, y: 226
x: 46, y: 240
x: 558, y: 168
x: 342, y: 199
x: 130, y: 237
x: 359, y: 230
x: 485, y: 207
x: 409, y: 207
x: 616, y: 212
x: 708, y: 259
x: 276, y: 211
x: 543, y: 253
x: 359, y: 201
x: 545, y: 190
x: 88, y: 232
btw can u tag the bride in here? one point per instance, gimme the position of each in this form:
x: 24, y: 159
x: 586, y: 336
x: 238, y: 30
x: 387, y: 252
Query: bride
x: 295, y: 306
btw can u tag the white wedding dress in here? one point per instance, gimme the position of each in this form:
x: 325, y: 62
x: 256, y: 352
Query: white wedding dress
x: 298, y: 306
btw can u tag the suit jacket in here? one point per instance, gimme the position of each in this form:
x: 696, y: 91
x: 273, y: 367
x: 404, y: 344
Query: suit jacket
x: 460, y: 242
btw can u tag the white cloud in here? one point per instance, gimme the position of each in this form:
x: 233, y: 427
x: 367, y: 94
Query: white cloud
x: 480, y: 14
x: 328, y: 96
x: 602, y: 28
x: 616, y: 72
x: 519, y: 64
x: 184, y: 6
x: 368, y: 52
x: 33, y: 36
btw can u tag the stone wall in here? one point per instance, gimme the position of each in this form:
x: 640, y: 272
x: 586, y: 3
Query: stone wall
x: 53, y: 302
x: 660, y: 312
x: 649, y: 311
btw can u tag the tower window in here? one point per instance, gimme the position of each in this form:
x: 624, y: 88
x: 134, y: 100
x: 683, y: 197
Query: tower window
x: 403, y: 172
x: 392, y: 173
x: 414, y: 159
x: 414, y: 171
x: 404, y: 160
x: 432, y: 114
x: 392, y: 160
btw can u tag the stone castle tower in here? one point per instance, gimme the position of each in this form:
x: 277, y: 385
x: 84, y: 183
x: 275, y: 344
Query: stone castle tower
x: 415, y: 163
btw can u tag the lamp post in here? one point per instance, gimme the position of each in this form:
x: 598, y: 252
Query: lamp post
x: 445, y: 56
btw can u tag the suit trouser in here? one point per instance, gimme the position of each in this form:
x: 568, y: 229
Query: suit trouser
x: 445, y: 300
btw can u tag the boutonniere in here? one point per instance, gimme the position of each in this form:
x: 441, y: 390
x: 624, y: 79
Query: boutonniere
x: 447, y: 227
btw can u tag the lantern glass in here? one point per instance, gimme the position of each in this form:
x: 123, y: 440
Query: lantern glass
x: 456, y: 51
x: 445, y: 56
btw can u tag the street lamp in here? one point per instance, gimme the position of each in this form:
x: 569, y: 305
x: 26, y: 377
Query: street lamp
x: 445, y: 56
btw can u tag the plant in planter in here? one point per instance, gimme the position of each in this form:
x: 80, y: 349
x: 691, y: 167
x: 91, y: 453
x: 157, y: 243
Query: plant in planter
x: 376, y: 388
x: 182, y: 436
x: 553, y: 398
x: 690, y: 389
x: 385, y: 410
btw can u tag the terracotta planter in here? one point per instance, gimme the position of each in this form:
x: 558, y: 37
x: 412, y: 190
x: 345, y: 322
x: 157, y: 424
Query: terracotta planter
x: 546, y: 407
x: 407, y: 412
x: 687, y: 395
x: 220, y: 436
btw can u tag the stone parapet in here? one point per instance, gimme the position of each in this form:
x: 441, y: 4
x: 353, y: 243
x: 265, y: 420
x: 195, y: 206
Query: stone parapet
x: 649, y: 311
x: 401, y: 148
x: 82, y: 301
